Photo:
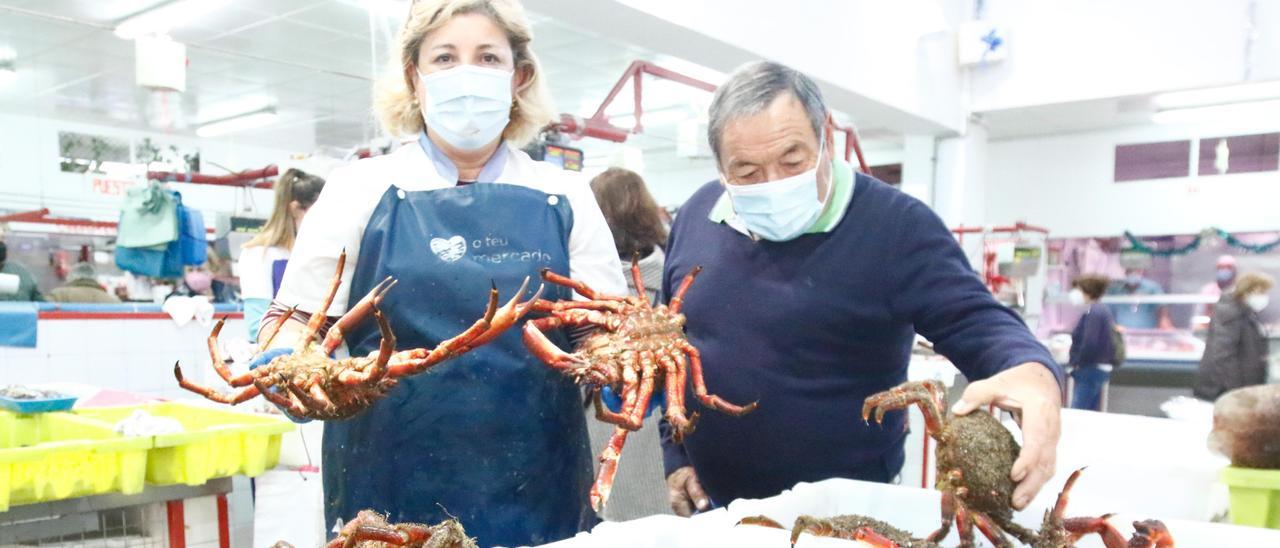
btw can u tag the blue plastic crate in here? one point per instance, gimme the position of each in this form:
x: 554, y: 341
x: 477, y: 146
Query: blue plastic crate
x: 40, y: 405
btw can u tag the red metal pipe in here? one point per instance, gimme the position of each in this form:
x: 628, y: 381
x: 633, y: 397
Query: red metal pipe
x: 224, y: 523
x: 177, y: 524
x: 598, y: 125
x: 42, y: 216
x: 589, y: 127
x: 242, y: 178
x: 853, y: 146
x: 1017, y: 227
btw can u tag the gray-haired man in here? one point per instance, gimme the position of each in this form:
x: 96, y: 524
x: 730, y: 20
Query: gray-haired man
x: 816, y: 280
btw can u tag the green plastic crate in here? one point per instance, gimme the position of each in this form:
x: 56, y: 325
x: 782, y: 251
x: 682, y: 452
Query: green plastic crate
x: 1255, y: 496
x: 52, y: 456
x: 215, y: 443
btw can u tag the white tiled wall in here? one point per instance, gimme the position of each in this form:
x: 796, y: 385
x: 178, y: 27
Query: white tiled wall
x: 131, y: 355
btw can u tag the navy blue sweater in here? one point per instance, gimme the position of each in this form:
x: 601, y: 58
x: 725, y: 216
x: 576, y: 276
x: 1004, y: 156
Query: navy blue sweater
x: 812, y: 326
x: 1091, y: 340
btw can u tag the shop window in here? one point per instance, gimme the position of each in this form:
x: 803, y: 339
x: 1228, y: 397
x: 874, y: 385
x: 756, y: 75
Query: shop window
x: 889, y: 173
x: 81, y: 153
x: 1153, y: 161
x: 1240, y: 154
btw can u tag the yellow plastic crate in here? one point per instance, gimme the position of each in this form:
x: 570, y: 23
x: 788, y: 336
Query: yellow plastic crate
x: 214, y: 444
x: 51, y: 456
x: 1255, y: 496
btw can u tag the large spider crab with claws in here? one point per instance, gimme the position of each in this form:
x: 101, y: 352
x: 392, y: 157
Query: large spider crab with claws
x: 309, y: 384
x: 371, y: 530
x: 851, y: 527
x: 638, y: 349
x: 975, y: 455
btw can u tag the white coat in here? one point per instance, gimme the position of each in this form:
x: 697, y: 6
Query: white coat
x: 338, y: 218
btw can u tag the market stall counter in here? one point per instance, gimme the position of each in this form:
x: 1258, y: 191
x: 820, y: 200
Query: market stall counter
x: 910, y: 508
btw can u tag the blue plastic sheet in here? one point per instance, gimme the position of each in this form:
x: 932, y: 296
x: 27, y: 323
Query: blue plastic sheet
x: 18, y: 324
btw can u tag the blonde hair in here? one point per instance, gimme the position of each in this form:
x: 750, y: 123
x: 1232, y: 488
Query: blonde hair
x: 281, y: 229
x: 1250, y: 283
x: 395, y: 101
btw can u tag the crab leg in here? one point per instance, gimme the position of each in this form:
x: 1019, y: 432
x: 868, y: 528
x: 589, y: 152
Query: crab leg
x: 333, y: 338
x: 680, y: 424
x: 275, y: 329
x: 411, y: 362
x: 608, y: 468
x: 989, y: 530
x: 400, y: 536
x: 543, y: 305
x: 578, y: 287
x: 648, y: 371
x: 318, y: 317
x: 635, y: 277
x: 507, y: 316
x: 1149, y: 533
x: 700, y: 387
x: 1080, y: 527
x: 677, y: 300
x: 603, y: 414
x: 541, y: 347
x: 291, y: 403
x: 762, y: 521
x: 386, y: 348
x: 870, y: 536
x: 902, y: 396
x: 240, y: 396
x: 949, y: 504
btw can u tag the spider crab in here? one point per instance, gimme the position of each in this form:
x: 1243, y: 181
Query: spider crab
x: 638, y: 349
x: 309, y: 384
x: 371, y: 530
x: 974, y: 457
x: 1057, y: 531
x: 852, y: 527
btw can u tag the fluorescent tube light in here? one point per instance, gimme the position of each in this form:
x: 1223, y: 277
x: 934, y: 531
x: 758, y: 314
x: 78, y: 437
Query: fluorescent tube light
x: 1217, y: 96
x: 160, y: 19
x: 1231, y: 112
x: 241, y: 122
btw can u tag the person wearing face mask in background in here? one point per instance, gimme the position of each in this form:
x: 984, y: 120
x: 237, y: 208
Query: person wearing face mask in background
x: 493, y: 437
x: 1236, y: 351
x: 1224, y: 277
x: 815, y: 281
x: 16, y: 282
x: 1138, y: 315
x: 262, y: 259
x: 1092, y: 349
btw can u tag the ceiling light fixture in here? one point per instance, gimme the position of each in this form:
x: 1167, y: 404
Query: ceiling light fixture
x: 158, y: 20
x: 1218, y: 96
x: 1231, y: 112
x: 240, y: 122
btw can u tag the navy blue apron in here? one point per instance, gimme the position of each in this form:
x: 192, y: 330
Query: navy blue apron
x: 494, y: 437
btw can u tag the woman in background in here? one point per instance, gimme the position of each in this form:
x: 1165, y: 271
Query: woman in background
x: 1092, y: 349
x: 1235, y: 353
x: 636, y: 223
x: 262, y: 259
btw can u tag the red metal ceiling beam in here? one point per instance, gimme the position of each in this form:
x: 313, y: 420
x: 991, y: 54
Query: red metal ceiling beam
x: 1017, y: 227
x: 242, y: 178
x: 42, y: 216
x: 598, y: 126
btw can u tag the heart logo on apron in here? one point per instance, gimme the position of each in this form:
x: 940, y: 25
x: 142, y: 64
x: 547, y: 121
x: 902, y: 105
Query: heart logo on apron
x: 449, y: 250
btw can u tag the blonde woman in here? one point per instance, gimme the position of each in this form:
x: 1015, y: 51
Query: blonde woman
x: 265, y: 255
x: 493, y: 437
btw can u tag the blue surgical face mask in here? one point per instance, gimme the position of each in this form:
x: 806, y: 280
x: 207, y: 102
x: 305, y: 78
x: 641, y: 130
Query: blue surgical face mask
x: 780, y: 210
x: 1225, y: 275
x: 1133, y: 279
x: 467, y: 106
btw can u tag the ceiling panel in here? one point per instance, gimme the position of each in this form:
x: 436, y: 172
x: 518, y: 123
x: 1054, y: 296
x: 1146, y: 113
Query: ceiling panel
x: 311, y: 57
